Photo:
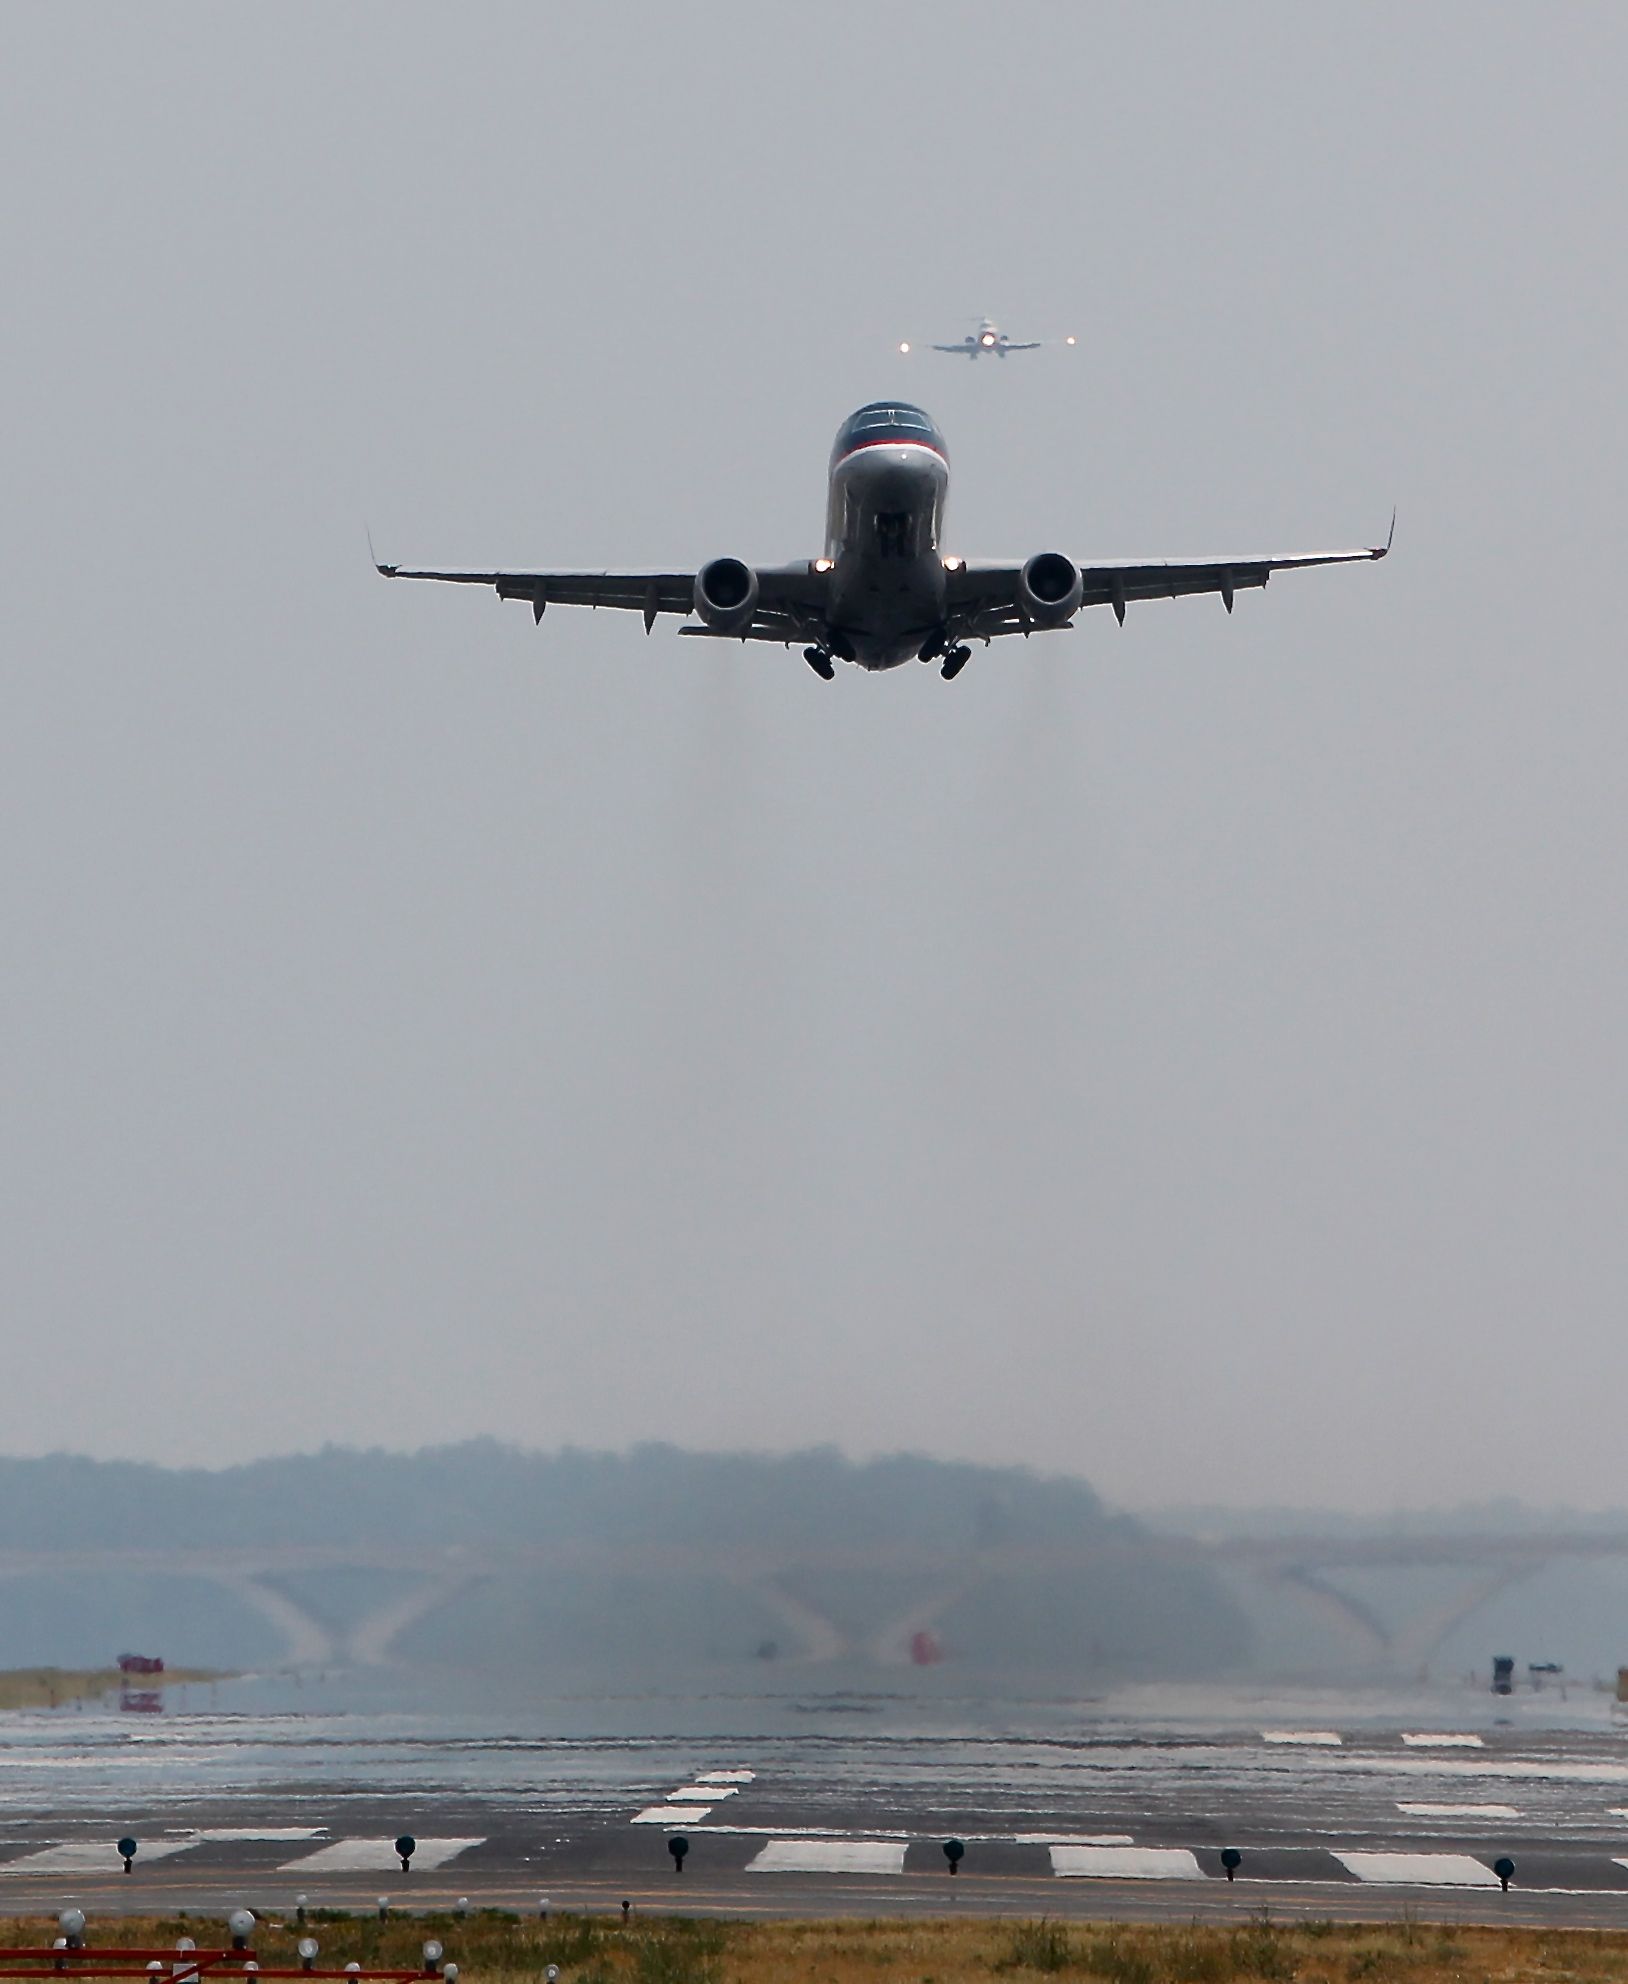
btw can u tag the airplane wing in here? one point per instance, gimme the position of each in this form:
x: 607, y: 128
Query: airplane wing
x: 788, y: 596
x: 983, y: 597
x: 1033, y: 344
x: 965, y: 346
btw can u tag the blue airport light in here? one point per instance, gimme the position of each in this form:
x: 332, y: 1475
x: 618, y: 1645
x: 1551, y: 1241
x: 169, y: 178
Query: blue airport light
x: 1504, y: 1868
x: 406, y: 1847
x: 955, y: 1852
x: 1231, y: 1859
x: 127, y: 1851
x: 678, y: 1846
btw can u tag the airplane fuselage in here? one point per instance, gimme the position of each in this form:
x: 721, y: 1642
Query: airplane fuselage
x: 884, y: 520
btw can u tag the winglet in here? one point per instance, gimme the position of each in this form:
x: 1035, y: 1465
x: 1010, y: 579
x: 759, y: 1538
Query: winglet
x: 1383, y: 550
x: 384, y: 571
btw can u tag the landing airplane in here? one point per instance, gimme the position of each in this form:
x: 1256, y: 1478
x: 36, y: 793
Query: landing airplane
x: 884, y: 592
x: 989, y: 341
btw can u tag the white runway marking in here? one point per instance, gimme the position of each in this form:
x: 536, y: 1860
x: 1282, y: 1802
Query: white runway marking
x: 671, y: 1815
x: 1328, y: 1738
x: 225, y: 1835
x: 1460, y: 1811
x: 830, y: 1856
x: 1055, y: 1838
x: 89, y: 1856
x: 1441, y: 1739
x: 1429, y: 1870
x: 725, y: 1776
x: 691, y: 1792
x: 368, y: 1856
x: 1127, y: 1863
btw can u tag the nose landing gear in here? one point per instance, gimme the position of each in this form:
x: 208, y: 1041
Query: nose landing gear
x: 954, y: 662
x: 820, y: 662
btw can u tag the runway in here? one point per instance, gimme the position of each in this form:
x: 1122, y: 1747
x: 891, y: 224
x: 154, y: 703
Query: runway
x: 1060, y: 1813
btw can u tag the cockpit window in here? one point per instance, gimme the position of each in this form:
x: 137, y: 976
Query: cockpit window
x: 887, y: 420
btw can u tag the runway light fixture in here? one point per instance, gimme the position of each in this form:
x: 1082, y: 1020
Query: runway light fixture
x: 72, y: 1924
x: 241, y: 1924
x: 462, y: 1908
x: 542, y: 1908
x: 451, y: 1973
x: 353, y: 1968
x: 552, y: 1974
x: 433, y: 1953
x: 126, y: 1850
x: 384, y: 1907
x: 251, y: 1968
x: 299, y: 1909
x: 308, y: 1947
x: 1232, y: 1860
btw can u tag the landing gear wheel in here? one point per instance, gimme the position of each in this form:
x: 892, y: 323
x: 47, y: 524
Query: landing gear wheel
x: 954, y: 662
x: 820, y: 662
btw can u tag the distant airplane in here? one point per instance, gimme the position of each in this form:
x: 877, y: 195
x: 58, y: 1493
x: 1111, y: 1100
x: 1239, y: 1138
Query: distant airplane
x: 989, y: 341
x: 884, y: 592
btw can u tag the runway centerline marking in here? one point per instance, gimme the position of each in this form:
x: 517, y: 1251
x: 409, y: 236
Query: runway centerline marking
x: 1442, y: 1739
x: 670, y: 1815
x: 690, y: 1792
x: 1330, y: 1739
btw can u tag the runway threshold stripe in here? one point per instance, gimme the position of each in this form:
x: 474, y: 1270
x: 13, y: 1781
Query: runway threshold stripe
x: 1429, y: 1870
x: 1460, y: 1811
x: 829, y: 1856
x: 85, y: 1856
x: 1322, y: 1738
x: 1442, y: 1739
x: 1126, y: 1863
x: 670, y: 1815
x: 368, y: 1856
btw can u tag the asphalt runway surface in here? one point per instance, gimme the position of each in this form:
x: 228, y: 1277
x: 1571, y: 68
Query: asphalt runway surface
x: 1112, y: 1818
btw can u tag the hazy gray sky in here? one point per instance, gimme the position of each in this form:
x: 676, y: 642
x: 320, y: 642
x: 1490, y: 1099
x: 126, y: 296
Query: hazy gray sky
x: 1192, y: 1056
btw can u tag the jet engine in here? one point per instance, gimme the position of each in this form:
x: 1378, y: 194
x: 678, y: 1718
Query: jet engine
x: 726, y: 595
x: 1049, y: 589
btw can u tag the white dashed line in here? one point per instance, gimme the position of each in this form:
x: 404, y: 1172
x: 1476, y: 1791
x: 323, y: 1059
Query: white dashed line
x: 671, y: 1815
x: 1460, y: 1811
x: 829, y: 1856
x: 690, y: 1792
x: 1429, y: 1870
x: 1324, y: 1738
x: 1126, y: 1863
x: 1441, y: 1739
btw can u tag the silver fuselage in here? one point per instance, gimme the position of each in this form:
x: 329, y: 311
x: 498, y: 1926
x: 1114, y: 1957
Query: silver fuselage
x: 882, y: 535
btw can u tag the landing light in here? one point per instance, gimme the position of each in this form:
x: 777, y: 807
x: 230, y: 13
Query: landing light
x: 822, y: 564
x: 988, y: 338
x: 904, y: 347
x: 954, y: 564
x: 1071, y: 340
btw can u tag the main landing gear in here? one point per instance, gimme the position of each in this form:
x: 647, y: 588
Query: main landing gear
x: 951, y: 661
x: 820, y: 662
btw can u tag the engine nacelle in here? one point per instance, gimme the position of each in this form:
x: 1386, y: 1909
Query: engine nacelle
x: 1049, y: 589
x: 726, y: 595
